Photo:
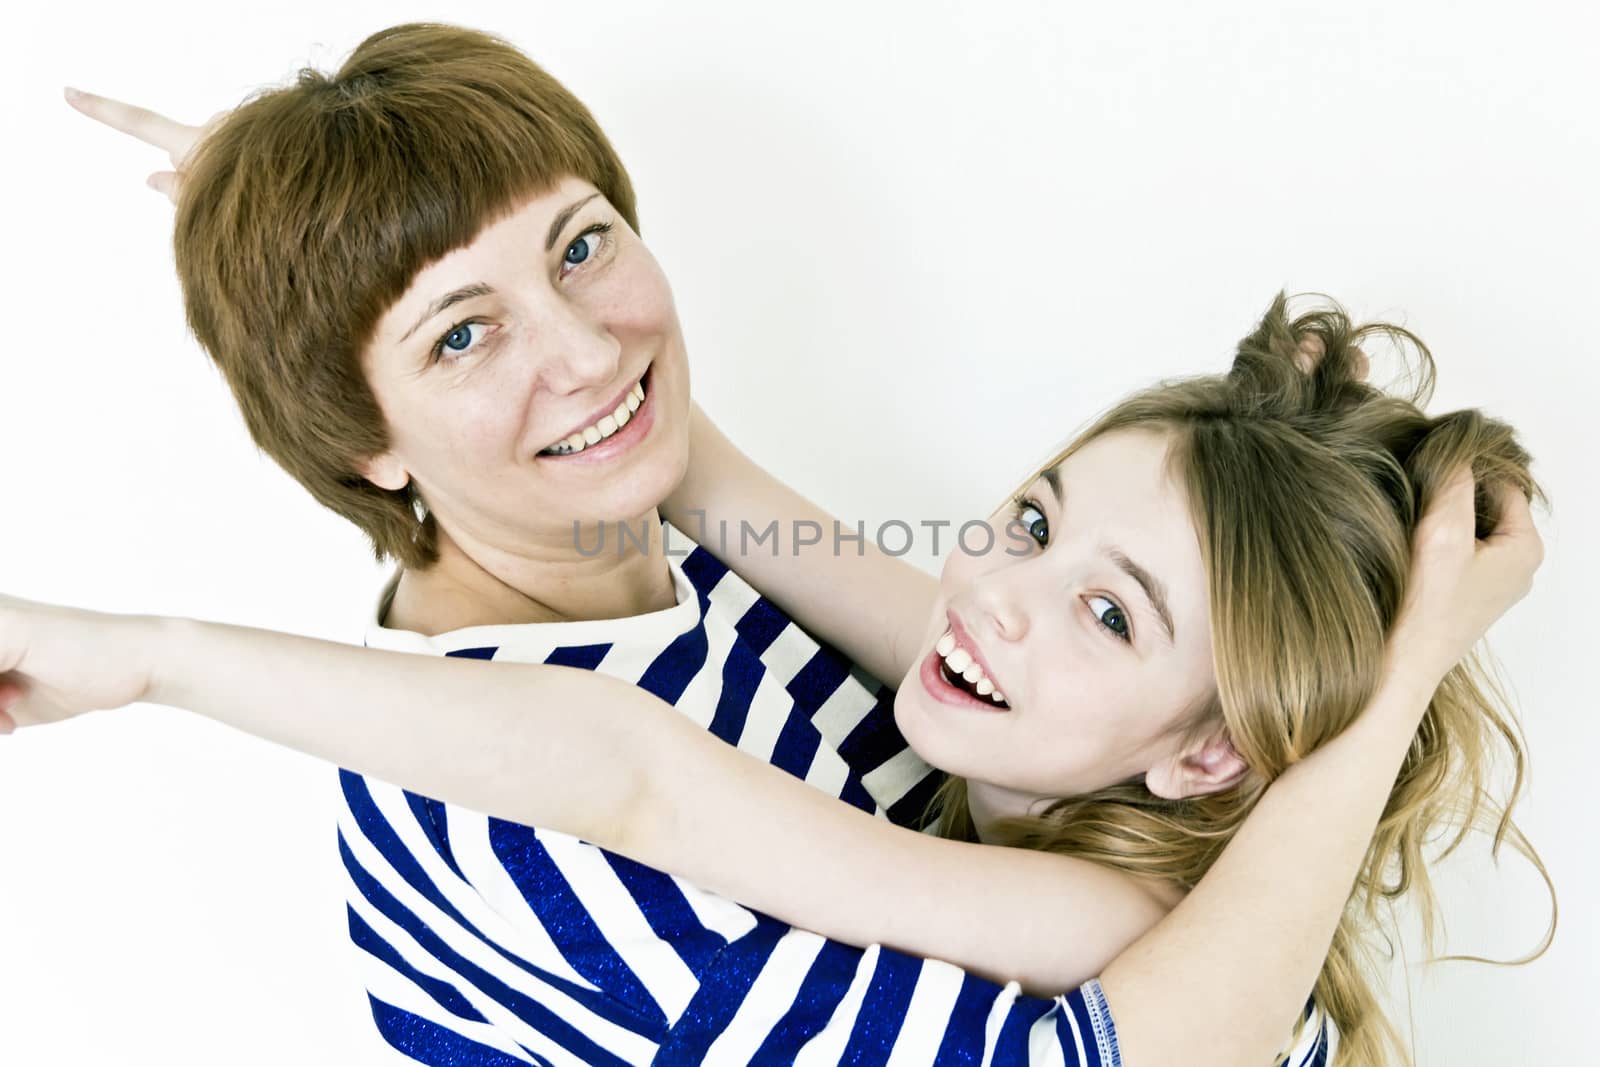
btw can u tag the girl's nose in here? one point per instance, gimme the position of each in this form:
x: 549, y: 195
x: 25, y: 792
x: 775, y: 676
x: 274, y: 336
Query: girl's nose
x: 1000, y: 607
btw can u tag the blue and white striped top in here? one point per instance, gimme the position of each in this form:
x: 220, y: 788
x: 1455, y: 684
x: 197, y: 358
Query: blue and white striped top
x: 484, y: 942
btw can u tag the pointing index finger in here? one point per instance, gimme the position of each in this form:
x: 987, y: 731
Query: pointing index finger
x: 152, y: 128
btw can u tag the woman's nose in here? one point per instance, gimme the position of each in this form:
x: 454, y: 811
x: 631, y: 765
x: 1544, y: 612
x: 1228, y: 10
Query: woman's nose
x: 578, y: 354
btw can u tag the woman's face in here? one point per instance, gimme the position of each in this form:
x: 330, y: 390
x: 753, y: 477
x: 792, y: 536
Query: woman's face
x: 1090, y: 617
x: 510, y: 372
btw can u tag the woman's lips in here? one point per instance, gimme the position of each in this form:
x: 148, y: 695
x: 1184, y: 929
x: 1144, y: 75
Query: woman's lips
x: 945, y: 693
x: 616, y: 402
x: 636, y: 429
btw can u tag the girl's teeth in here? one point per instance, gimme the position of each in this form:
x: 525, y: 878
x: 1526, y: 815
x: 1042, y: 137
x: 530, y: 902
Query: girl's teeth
x: 638, y: 392
x: 575, y: 442
x: 960, y: 662
x: 607, y: 426
x: 591, y: 435
x: 622, y: 414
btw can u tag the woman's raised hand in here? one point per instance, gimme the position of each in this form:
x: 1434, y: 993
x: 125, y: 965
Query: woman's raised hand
x: 57, y: 663
x: 1460, y: 584
x: 172, y: 137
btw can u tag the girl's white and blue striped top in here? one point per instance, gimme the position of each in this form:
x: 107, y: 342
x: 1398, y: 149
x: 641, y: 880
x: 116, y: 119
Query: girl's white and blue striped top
x: 483, y: 942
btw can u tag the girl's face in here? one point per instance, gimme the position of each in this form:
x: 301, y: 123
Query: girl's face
x: 1090, y: 618
x: 510, y: 376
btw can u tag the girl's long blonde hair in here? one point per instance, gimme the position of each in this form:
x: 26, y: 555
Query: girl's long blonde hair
x: 1305, y: 489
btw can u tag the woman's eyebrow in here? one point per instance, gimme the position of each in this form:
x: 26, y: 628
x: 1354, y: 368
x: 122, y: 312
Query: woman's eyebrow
x: 449, y: 300
x: 1154, y: 590
x: 467, y: 292
x: 563, y: 217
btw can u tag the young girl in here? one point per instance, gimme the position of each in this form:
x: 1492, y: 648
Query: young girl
x: 1197, y: 625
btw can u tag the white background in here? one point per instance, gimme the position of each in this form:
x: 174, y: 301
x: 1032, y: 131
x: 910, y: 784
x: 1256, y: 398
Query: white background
x: 913, y: 246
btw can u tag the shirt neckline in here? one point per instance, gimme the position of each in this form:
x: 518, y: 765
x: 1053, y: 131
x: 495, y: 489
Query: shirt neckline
x: 654, y: 626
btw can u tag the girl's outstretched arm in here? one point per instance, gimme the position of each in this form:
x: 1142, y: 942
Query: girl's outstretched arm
x: 872, y: 606
x: 595, y: 757
x: 1216, y: 981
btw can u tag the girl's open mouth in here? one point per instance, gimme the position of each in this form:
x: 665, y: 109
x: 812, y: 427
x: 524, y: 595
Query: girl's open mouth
x: 951, y: 676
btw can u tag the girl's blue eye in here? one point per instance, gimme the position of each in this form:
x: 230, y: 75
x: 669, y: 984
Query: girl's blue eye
x: 578, y: 250
x: 1034, y: 521
x: 1111, y: 617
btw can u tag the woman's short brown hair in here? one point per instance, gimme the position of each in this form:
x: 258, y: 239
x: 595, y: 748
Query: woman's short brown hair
x: 307, y: 212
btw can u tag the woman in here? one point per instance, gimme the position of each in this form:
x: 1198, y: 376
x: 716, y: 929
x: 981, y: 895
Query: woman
x: 300, y: 283
x: 1204, y: 547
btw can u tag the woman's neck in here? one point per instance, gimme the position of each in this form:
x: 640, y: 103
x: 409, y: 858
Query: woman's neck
x: 482, y: 585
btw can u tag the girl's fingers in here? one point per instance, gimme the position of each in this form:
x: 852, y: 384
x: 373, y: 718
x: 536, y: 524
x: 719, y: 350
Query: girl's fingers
x: 10, y: 693
x: 174, y: 138
x: 1514, y: 541
x: 1452, y: 506
x: 1309, y: 353
x: 1360, y: 364
x: 1516, y: 516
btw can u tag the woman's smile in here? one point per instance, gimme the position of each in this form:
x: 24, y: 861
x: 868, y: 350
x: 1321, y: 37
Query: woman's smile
x: 612, y: 431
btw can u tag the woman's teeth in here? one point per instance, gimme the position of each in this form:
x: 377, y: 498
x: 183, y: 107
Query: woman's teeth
x: 608, y: 425
x: 960, y: 664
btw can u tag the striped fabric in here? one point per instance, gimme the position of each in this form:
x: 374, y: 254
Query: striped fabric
x: 484, y: 942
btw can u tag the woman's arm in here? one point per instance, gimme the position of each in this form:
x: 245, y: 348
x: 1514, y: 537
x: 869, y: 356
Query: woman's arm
x: 871, y: 606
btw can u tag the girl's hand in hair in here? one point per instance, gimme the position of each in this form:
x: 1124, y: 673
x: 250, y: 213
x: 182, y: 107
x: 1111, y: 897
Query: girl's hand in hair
x: 1459, y: 584
x: 57, y: 663
x: 1311, y: 350
x: 172, y: 137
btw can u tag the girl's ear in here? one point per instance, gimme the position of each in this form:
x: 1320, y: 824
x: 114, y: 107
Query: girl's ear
x: 1209, y: 765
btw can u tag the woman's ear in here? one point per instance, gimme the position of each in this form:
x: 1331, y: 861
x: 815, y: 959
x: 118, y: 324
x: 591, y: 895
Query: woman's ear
x: 1208, y: 765
x: 385, y: 471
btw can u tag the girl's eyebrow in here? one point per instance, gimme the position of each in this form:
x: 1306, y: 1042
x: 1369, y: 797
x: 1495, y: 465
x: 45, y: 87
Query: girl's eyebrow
x: 1155, y: 591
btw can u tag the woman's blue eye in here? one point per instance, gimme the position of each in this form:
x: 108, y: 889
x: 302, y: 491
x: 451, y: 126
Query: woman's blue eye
x: 458, y: 340
x: 1034, y: 521
x: 586, y: 245
x: 1111, y: 617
